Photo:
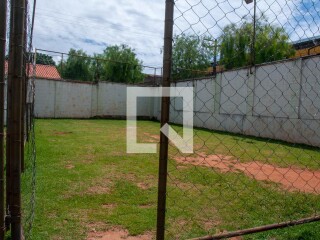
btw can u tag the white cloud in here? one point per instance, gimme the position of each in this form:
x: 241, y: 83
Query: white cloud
x: 92, y: 25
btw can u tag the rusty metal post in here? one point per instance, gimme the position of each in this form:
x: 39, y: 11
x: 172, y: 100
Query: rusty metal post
x: 15, y: 81
x: 3, y: 30
x: 8, y: 163
x: 164, y: 143
x: 24, y: 80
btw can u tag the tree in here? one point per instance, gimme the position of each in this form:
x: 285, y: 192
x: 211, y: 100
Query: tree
x: 272, y: 44
x: 121, y: 65
x: 77, y: 66
x: 191, y: 56
x: 96, y: 67
x: 116, y: 63
x: 44, y: 59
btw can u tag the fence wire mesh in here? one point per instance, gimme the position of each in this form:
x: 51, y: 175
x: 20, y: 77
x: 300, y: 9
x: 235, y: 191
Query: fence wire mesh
x: 28, y: 178
x: 28, y: 154
x: 256, y: 157
x: 29, y: 174
x: 80, y: 66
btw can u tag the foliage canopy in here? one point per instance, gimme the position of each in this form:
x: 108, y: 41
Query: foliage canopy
x: 271, y: 44
x: 191, y: 56
x: 117, y: 63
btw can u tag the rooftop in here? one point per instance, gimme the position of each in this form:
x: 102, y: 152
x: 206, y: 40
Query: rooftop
x: 42, y: 71
x: 307, y: 42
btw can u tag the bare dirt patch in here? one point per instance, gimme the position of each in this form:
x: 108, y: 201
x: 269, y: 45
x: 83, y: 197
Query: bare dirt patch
x: 147, y: 183
x: 57, y: 238
x: 88, y: 158
x: 127, y: 176
x: 210, y: 220
x: 144, y: 185
x: 152, y: 138
x: 69, y: 166
x: 182, y: 167
x: 291, y: 178
x: 109, y: 206
x: 99, y: 186
x: 117, y: 234
x: 118, y: 154
x: 145, y: 206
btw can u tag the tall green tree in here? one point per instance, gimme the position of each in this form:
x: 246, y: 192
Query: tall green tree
x: 41, y: 58
x: 191, y: 56
x: 77, y: 66
x: 272, y: 43
x: 120, y: 65
x: 96, y: 67
x: 44, y: 59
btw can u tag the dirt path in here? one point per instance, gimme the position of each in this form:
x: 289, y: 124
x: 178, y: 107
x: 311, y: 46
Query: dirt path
x: 292, y: 179
x: 117, y: 234
x: 152, y: 137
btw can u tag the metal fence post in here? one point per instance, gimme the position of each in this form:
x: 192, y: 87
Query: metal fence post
x: 61, y: 67
x: 15, y: 81
x: 3, y: 28
x: 163, y: 158
x: 34, y: 73
x: 8, y: 163
x: 253, y: 44
x: 25, y: 74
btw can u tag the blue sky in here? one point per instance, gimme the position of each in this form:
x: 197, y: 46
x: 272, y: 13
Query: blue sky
x: 93, y: 25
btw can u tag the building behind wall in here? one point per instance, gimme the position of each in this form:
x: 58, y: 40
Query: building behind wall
x: 307, y: 47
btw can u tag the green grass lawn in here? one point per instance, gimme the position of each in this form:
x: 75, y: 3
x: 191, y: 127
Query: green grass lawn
x: 85, y: 181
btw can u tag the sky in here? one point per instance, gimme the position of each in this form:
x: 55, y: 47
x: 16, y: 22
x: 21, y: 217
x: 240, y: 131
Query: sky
x: 93, y: 25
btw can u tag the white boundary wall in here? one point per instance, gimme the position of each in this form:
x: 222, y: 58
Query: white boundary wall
x: 71, y: 99
x: 278, y: 101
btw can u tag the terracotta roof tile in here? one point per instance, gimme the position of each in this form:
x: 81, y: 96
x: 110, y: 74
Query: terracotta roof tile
x: 42, y: 71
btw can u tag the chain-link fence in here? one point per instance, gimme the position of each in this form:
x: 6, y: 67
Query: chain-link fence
x: 79, y: 66
x: 254, y: 67
x: 20, y: 139
x: 28, y: 178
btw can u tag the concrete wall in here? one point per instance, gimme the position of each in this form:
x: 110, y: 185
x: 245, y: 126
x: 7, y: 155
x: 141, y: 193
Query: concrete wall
x: 70, y: 99
x: 277, y: 101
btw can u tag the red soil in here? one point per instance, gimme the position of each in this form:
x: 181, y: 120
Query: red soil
x: 291, y: 178
x: 152, y: 138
